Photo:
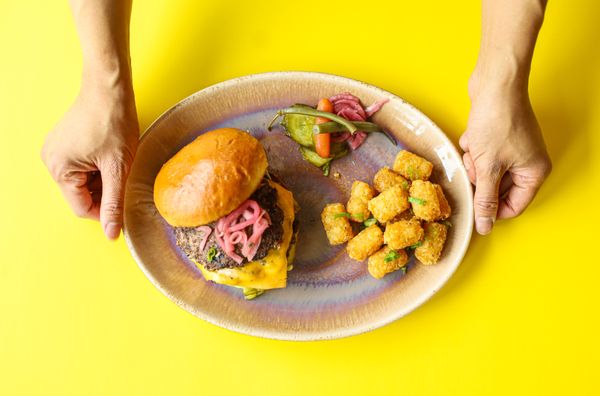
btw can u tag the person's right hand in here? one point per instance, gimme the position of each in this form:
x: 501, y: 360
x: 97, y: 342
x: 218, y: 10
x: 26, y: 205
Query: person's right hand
x: 90, y: 151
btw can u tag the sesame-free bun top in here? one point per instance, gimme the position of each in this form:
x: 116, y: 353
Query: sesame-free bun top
x: 209, y: 178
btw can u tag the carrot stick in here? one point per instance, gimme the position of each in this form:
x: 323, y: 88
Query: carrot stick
x: 323, y: 140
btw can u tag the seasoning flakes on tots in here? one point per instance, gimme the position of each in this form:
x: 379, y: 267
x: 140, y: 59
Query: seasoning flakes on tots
x: 399, y: 214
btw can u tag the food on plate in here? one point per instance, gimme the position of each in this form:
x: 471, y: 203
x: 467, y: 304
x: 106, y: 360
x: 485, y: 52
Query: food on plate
x: 405, y: 217
x: 403, y: 233
x: 335, y: 221
x: 229, y: 216
x: 424, y: 200
x: 389, y: 204
x: 367, y: 242
x: 358, y: 204
x: 430, y: 249
x: 338, y: 123
x: 386, y: 178
x: 386, y: 260
x: 412, y: 167
x: 445, y: 209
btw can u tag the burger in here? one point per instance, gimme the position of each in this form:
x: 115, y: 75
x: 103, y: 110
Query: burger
x: 229, y: 215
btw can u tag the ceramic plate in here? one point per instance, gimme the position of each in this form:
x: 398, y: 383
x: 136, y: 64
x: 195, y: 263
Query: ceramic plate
x: 328, y: 295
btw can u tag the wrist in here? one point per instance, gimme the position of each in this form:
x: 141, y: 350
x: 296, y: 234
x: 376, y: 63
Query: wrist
x: 500, y: 79
x: 110, y: 74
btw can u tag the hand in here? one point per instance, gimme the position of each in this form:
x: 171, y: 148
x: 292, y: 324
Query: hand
x: 505, y: 155
x: 90, y: 151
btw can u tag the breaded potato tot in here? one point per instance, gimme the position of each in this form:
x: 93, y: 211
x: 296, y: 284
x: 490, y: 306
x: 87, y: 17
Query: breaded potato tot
x: 358, y: 204
x: 411, y: 166
x: 337, y: 228
x: 433, y: 243
x: 386, y: 178
x: 378, y: 266
x: 445, y: 210
x: 367, y: 242
x: 406, y: 215
x: 389, y: 204
x: 424, y: 200
x: 403, y: 233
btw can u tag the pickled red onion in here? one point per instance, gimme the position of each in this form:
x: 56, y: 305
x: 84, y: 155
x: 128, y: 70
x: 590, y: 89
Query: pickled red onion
x: 231, y: 230
x: 348, y: 106
x: 206, y: 230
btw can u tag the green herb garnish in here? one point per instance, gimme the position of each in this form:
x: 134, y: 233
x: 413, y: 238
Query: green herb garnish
x: 251, y: 293
x: 391, y: 256
x: 411, y: 173
x: 341, y: 214
x: 403, y: 269
x: 447, y: 223
x: 325, y: 169
x: 370, y: 221
x: 417, y: 201
x: 212, y: 252
x: 405, y: 185
x: 358, y: 216
x: 416, y: 245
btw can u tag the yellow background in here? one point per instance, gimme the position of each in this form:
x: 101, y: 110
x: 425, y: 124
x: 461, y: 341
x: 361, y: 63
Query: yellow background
x: 520, y: 316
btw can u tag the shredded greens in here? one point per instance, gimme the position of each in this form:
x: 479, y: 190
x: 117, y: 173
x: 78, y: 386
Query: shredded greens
x: 212, y: 252
x: 391, y: 256
x: 418, y: 201
x: 370, y: 221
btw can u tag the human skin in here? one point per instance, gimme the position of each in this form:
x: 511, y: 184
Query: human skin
x: 90, y: 151
x: 505, y: 155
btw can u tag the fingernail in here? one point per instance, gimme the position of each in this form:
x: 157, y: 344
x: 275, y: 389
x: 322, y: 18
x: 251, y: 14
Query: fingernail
x: 484, y: 225
x: 112, y: 230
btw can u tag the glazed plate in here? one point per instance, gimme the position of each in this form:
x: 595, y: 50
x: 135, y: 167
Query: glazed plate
x: 328, y: 294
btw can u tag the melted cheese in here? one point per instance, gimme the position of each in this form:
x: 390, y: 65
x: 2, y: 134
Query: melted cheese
x: 269, y: 272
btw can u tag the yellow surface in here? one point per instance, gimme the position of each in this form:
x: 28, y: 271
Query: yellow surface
x: 77, y: 317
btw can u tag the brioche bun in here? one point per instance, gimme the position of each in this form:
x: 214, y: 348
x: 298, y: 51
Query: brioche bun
x: 209, y: 178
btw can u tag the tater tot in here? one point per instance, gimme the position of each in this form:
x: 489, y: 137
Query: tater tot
x: 433, y: 243
x: 412, y: 167
x: 367, y: 242
x: 403, y: 233
x: 389, y: 204
x: 424, y: 200
x: 445, y: 210
x: 338, y: 228
x: 378, y: 267
x: 386, y: 178
x: 358, y: 204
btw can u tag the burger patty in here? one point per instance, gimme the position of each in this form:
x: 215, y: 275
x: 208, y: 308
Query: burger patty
x: 189, y: 238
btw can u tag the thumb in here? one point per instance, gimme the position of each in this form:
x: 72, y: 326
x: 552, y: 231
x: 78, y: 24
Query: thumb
x: 111, y: 206
x: 486, y: 199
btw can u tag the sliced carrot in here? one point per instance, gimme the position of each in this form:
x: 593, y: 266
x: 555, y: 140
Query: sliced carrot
x: 323, y: 140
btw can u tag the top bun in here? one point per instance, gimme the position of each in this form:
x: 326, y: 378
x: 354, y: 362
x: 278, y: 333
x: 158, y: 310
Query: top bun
x: 209, y: 178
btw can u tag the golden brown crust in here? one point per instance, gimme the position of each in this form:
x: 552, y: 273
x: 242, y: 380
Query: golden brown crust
x: 378, y: 267
x: 209, y: 177
x: 433, y: 243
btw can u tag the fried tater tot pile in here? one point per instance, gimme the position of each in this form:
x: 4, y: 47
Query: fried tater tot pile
x: 400, y: 213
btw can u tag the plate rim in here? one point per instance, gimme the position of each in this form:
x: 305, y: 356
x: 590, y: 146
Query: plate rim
x: 337, y: 333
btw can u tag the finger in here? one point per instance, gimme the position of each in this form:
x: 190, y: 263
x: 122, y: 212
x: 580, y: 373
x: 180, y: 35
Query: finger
x: 519, y: 196
x: 463, y: 142
x: 505, y: 185
x: 111, y: 206
x: 486, y: 199
x: 74, y: 189
x: 469, y: 167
